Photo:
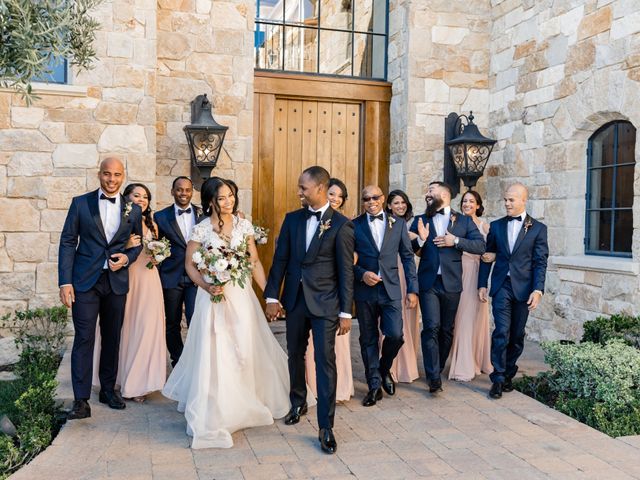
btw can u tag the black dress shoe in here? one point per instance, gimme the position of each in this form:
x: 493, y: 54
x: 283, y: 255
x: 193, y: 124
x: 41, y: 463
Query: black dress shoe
x: 294, y: 414
x: 327, y: 440
x: 112, y: 399
x: 372, y: 397
x: 81, y: 409
x: 435, y: 386
x: 496, y: 390
x: 387, y: 384
x: 507, y: 386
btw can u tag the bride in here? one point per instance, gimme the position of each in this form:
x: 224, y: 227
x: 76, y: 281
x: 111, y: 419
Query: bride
x: 232, y: 373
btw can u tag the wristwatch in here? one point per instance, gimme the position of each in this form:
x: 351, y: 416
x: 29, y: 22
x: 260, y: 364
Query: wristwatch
x: 455, y: 241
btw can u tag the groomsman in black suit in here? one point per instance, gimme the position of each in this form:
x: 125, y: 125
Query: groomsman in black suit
x: 379, y: 239
x: 314, y: 258
x: 94, y: 281
x: 443, y: 234
x: 518, y: 244
x: 175, y: 223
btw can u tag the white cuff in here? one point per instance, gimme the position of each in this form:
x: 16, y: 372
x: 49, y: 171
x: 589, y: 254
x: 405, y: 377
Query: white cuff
x: 345, y: 315
x: 420, y: 241
x: 272, y: 300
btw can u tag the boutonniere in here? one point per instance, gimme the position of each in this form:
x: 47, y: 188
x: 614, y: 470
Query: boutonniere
x: 324, y: 226
x: 527, y: 225
x: 127, y: 209
x: 198, y: 212
x: 390, y: 221
x: 453, y: 219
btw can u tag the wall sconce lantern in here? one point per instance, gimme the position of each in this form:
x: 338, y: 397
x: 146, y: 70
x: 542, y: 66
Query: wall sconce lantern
x: 205, y: 137
x: 466, y: 151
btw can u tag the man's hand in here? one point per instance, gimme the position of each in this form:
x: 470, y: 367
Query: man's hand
x: 67, y: 295
x: 371, y: 279
x: 446, y: 240
x: 488, y: 257
x: 271, y: 311
x: 423, y: 230
x: 482, y: 294
x: 344, y: 326
x: 411, y: 300
x: 121, y: 261
x: 534, y: 300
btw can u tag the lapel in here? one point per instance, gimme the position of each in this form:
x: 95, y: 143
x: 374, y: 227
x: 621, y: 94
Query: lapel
x: 174, y: 224
x: 317, y: 239
x: 94, y: 208
x: 387, y: 230
x: 504, y: 230
x: 527, y: 219
x: 364, y: 220
x: 452, y: 224
x: 301, y: 235
x: 432, y: 228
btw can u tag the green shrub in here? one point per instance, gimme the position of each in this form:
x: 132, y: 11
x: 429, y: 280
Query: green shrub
x: 614, y: 421
x: 40, y: 329
x: 603, y: 329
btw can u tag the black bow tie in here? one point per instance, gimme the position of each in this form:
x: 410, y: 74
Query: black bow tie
x: 111, y: 199
x: 440, y: 212
x: 380, y: 216
x: 314, y: 214
x: 186, y: 210
x: 518, y: 218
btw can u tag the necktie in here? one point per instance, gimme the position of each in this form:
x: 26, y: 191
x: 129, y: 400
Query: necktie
x: 314, y: 214
x: 104, y: 197
x: 186, y: 210
x: 380, y: 216
x: 518, y: 218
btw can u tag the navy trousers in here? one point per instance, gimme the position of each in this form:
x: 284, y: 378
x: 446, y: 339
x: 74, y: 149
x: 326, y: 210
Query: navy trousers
x: 174, y: 299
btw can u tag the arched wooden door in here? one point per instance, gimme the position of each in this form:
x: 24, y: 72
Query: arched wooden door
x: 299, y: 121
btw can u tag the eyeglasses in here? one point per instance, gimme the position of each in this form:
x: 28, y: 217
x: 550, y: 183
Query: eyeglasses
x: 375, y: 198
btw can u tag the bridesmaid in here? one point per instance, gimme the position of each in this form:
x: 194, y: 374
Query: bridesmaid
x: 344, y: 389
x: 142, y: 367
x: 471, y: 350
x: 405, y: 366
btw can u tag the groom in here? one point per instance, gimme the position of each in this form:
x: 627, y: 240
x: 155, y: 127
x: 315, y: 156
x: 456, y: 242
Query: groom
x: 314, y: 252
x: 94, y: 281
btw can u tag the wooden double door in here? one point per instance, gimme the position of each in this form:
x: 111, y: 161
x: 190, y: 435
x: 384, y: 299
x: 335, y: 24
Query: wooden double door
x: 340, y: 125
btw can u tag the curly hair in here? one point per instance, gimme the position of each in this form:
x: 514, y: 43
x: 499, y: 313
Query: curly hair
x: 147, y: 214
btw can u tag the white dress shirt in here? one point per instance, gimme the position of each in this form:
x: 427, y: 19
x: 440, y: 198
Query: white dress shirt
x: 513, y: 229
x: 377, y: 228
x: 440, y: 222
x: 110, y: 215
x: 186, y: 221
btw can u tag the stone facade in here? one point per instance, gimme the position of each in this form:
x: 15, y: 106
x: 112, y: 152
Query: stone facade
x: 153, y: 59
x: 540, y: 76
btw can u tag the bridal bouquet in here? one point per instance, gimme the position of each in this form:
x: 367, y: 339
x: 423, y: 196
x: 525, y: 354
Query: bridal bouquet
x: 219, y: 265
x: 260, y: 234
x: 157, y: 249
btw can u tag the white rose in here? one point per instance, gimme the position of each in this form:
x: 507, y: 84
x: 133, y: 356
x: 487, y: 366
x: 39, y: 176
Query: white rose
x: 159, y: 258
x: 224, y: 276
x: 208, y: 279
x: 197, y: 258
x: 221, y: 265
x: 234, y: 262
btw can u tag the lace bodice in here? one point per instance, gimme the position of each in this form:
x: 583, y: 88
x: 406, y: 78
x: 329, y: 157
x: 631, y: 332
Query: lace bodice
x: 203, y: 233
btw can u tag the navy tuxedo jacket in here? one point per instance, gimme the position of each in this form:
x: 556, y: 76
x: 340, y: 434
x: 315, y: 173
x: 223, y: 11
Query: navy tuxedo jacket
x: 325, y: 269
x: 395, y: 242
x: 84, y: 247
x: 527, y: 264
x: 449, y: 259
x: 172, y: 269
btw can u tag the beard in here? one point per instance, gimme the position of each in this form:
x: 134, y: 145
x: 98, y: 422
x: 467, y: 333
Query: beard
x: 434, y: 206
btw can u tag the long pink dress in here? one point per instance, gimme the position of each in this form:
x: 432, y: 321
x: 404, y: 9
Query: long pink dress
x: 344, y: 387
x: 142, y: 364
x: 471, y: 349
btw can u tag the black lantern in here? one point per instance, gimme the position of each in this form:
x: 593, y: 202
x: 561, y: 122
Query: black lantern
x: 467, y: 153
x: 205, y: 137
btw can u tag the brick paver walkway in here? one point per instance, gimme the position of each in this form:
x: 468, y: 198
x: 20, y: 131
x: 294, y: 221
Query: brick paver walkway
x: 460, y: 434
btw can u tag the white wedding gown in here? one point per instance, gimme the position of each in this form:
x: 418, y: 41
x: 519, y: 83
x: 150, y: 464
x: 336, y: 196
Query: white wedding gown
x: 232, y: 374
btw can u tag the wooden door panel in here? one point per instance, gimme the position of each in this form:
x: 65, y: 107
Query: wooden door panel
x: 324, y: 135
x: 352, y: 174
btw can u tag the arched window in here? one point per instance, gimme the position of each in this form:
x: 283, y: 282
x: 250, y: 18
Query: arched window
x: 610, y: 172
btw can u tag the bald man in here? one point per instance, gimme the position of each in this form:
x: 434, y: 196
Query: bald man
x: 519, y: 244
x: 94, y: 280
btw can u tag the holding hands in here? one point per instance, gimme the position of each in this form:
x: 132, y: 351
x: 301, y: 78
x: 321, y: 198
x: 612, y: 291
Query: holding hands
x: 273, y: 311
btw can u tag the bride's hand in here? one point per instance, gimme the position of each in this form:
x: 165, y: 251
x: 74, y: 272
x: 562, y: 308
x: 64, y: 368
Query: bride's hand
x: 215, y: 289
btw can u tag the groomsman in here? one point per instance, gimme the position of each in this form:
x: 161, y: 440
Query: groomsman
x: 443, y: 234
x: 314, y: 258
x: 94, y: 281
x: 175, y: 223
x: 379, y: 239
x: 519, y: 245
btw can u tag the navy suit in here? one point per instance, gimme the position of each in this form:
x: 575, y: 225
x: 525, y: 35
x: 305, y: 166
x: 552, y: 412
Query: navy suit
x: 384, y: 300
x: 318, y: 285
x: 440, y: 294
x: 177, y: 287
x: 516, y: 274
x: 98, y: 291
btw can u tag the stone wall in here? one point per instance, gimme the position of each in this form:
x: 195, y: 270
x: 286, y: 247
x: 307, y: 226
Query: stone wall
x: 560, y: 70
x: 438, y: 63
